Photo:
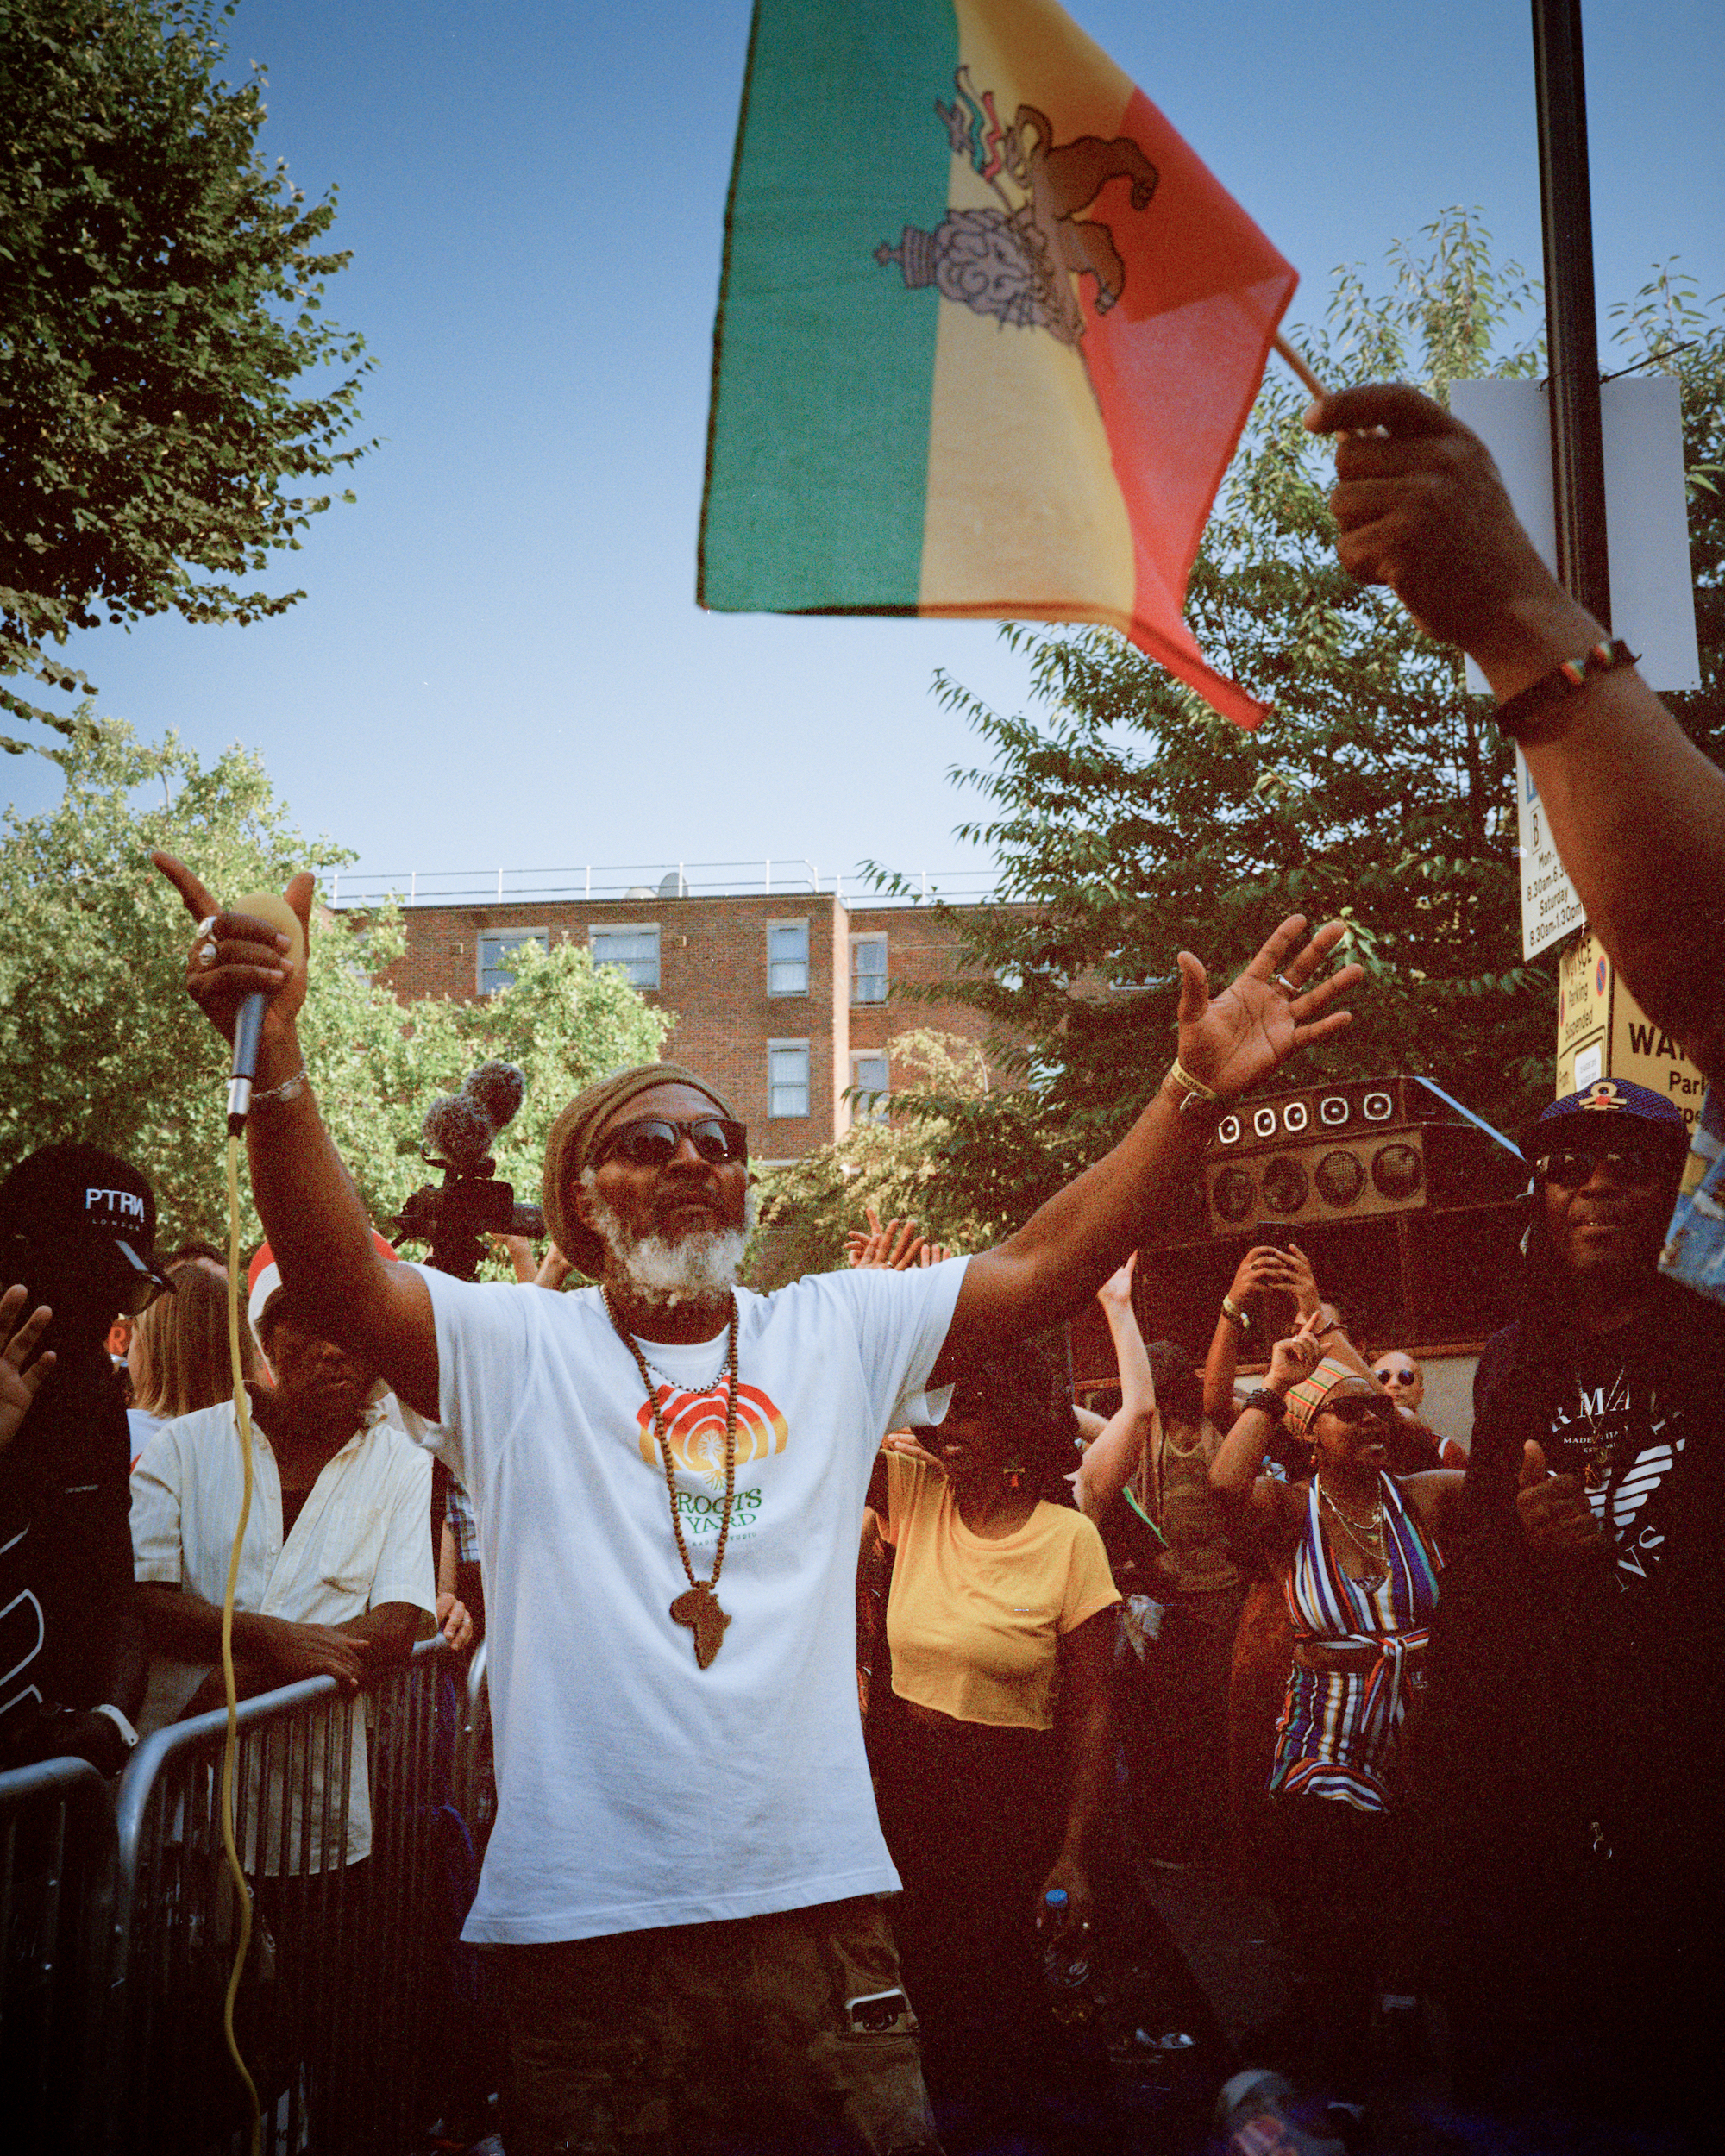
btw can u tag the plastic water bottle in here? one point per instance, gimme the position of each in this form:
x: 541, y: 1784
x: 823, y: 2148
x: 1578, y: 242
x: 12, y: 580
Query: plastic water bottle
x: 1253, y: 2110
x: 1065, y: 1960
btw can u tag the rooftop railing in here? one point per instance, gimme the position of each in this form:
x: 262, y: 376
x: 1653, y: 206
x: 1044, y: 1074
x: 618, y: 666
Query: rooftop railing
x: 646, y: 881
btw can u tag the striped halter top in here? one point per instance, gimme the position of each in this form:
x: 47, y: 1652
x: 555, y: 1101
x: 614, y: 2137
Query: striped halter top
x: 1356, y: 1645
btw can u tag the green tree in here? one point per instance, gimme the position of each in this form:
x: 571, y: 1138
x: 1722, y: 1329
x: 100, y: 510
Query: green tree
x: 99, y: 1041
x: 1131, y: 821
x: 159, y: 310
x: 897, y: 1164
x: 378, y: 1063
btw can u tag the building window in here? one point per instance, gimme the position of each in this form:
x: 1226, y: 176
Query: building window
x: 494, y: 947
x: 634, y: 945
x: 787, y: 958
x: 868, y: 1088
x: 787, y: 1078
x: 868, y: 969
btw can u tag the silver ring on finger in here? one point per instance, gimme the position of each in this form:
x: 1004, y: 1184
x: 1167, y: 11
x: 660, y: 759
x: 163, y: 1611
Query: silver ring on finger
x: 205, y: 953
x: 1283, y: 982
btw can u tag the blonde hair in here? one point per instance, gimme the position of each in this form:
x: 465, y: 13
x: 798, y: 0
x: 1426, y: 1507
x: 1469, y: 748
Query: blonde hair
x: 181, y: 1342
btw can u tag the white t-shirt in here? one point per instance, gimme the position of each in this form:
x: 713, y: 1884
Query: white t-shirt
x: 633, y: 1788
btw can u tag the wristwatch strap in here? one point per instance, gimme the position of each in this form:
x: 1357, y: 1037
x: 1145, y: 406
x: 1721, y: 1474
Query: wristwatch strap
x: 1266, y: 1402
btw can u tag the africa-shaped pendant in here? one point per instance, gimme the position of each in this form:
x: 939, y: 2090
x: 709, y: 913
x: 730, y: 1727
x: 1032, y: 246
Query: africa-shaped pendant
x: 696, y: 1607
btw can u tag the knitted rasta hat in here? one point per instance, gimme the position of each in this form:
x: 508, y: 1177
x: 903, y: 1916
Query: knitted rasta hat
x: 1306, y: 1400
x: 570, y: 1146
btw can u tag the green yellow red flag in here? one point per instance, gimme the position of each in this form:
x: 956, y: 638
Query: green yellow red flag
x: 988, y: 332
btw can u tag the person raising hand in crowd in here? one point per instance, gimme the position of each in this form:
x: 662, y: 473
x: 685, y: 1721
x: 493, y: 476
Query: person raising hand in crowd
x: 1593, y: 1913
x: 669, y: 1472
x: 1358, y: 1553
x: 77, y: 1239
x: 897, y: 1246
x: 1636, y: 810
x: 21, y: 1368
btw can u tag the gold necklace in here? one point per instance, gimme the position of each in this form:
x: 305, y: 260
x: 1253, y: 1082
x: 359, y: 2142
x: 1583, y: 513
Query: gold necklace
x: 698, y: 1607
x: 1368, y: 1535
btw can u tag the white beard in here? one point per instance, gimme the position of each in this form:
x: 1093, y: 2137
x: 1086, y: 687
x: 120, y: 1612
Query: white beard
x: 702, y: 1267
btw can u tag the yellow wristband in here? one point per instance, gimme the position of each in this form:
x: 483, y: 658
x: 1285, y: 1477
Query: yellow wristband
x: 1182, y: 1088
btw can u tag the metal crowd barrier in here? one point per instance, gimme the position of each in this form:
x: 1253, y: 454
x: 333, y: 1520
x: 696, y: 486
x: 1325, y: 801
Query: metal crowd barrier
x: 475, y: 1765
x: 57, y: 1877
x: 117, y: 1918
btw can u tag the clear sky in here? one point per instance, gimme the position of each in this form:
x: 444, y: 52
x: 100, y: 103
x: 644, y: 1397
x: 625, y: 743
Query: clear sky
x: 498, y: 660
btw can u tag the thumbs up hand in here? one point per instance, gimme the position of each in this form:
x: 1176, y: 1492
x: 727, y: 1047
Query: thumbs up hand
x: 1556, y: 1517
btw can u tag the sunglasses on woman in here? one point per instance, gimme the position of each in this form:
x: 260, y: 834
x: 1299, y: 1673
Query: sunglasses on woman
x: 1357, y: 1408
x: 652, y: 1140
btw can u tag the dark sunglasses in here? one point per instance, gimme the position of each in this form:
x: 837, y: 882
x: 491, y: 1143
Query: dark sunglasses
x: 1357, y: 1408
x: 138, y: 1285
x: 652, y: 1140
x: 1634, y: 1164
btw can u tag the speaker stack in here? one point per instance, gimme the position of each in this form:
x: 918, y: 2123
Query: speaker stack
x: 1410, y: 1209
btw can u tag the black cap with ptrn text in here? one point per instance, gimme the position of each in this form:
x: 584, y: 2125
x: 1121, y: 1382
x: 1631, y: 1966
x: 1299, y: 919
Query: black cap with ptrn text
x: 64, y: 1193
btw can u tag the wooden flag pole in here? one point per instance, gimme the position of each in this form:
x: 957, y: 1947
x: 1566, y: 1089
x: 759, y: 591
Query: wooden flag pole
x: 1295, y: 362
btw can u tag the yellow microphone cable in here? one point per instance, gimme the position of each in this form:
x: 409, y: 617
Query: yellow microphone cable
x: 268, y: 906
x: 242, y: 1410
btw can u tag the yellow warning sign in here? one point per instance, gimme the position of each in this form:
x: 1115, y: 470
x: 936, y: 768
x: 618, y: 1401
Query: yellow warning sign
x: 1602, y: 1032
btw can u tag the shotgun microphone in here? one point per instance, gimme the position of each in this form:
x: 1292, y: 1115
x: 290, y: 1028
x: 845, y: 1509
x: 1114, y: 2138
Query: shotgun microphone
x: 267, y: 906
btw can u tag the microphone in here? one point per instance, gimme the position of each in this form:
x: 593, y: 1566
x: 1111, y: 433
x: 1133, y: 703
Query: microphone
x: 267, y: 906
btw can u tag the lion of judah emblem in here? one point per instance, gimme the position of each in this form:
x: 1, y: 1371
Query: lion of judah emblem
x: 1021, y: 262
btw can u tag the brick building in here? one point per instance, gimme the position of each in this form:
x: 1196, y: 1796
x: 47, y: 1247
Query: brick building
x: 784, y: 998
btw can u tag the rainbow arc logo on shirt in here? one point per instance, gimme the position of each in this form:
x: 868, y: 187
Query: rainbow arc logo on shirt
x: 695, y: 1429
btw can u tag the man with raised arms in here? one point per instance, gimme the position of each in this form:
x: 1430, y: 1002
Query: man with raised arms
x: 668, y: 1471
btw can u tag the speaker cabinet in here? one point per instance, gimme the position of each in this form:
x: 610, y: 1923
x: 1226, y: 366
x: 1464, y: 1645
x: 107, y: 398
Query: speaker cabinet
x: 1411, y: 1212
x: 1350, y: 1150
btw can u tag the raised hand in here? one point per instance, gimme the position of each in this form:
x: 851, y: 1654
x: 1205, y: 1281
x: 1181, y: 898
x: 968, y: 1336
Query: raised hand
x: 233, y: 955
x: 895, y: 1247
x: 1301, y: 1280
x: 1298, y: 1356
x: 1116, y: 1291
x: 1263, y: 1268
x: 1277, y: 1004
x: 1418, y: 506
x: 20, y: 1380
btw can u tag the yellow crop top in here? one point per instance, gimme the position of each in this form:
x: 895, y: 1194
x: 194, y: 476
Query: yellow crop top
x: 974, y: 1625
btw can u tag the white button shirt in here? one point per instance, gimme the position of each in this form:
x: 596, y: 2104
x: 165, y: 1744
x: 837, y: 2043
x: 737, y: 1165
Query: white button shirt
x: 362, y: 1538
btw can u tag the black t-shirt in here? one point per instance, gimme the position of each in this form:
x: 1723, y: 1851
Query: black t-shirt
x: 65, y: 1543
x: 1574, y: 1743
x: 1574, y: 1696
x: 1638, y: 1414
x: 1622, y: 1428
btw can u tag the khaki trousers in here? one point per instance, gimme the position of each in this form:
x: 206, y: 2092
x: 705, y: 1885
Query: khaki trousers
x: 756, y: 2033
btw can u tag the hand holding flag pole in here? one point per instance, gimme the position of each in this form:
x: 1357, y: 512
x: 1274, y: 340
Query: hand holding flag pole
x: 1295, y: 362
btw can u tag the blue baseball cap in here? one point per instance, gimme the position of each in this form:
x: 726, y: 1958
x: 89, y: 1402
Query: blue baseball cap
x: 1610, y: 1112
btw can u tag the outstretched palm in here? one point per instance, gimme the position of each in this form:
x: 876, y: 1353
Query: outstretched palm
x: 21, y: 1378
x: 1234, y: 1041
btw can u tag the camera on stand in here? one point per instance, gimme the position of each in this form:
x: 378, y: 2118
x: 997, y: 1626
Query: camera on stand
x: 458, y: 1134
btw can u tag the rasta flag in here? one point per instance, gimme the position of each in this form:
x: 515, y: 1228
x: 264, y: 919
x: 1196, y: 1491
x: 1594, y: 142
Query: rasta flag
x: 988, y: 332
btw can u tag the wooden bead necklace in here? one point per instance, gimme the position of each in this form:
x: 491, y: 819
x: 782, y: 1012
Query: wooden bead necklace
x: 698, y: 1607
